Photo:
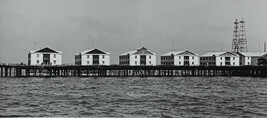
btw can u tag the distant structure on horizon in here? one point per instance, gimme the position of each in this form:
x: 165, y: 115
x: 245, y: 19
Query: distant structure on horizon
x: 45, y: 56
x: 139, y: 57
x: 239, y: 43
x: 92, y: 57
x: 180, y: 58
x: 219, y: 59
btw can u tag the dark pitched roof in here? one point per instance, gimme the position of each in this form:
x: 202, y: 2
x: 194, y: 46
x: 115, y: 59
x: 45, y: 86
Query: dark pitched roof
x: 46, y: 49
x: 143, y: 50
x: 95, y: 51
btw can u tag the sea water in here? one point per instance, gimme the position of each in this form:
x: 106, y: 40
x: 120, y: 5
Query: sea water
x: 134, y: 97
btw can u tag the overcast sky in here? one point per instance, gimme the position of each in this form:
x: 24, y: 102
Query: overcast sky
x: 118, y: 26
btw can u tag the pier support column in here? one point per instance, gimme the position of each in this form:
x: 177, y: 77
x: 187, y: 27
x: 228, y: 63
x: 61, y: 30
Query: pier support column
x: 1, y: 72
x: 27, y: 72
x: 6, y: 72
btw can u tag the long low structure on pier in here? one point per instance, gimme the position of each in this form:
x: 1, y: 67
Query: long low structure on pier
x: 126, y: 71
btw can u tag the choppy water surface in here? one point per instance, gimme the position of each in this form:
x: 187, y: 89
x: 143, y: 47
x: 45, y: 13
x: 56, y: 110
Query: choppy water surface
x: 134, y: 97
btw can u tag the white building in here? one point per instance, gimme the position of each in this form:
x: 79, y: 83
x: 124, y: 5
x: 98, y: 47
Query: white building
x: 220, y: 59
x: 180, y: 58
x: 138, y: 57
x: 250, y: 58
x: 92, y: 57
x: 45, y: 56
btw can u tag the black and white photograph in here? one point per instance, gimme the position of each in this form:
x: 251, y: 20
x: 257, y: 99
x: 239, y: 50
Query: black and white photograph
x: 133, y: 58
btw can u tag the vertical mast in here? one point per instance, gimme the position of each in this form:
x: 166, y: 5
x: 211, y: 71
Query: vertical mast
x: 235, y: 43
x: 242, y: 37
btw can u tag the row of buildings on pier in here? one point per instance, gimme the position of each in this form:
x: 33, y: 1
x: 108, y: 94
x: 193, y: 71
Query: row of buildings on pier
x: 142, y: 56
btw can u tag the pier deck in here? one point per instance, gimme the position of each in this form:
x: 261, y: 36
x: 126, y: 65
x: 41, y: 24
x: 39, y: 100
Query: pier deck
x: 127, y: 71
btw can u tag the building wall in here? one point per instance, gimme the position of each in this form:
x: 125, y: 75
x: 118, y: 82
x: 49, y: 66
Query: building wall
x: 152, y: 60
x: 234, y: 61
x: 247, y: 60
x: 106, y: 59
x: 85, y: 60
x: 254, y: 60
x: 124, y: 59
x: 78, y: 60
x: 57, y: 60
x: 195, y: 60
x: 179, y: 60
x: 89, y: 61
x: 167, y: 60
x: 34, y: 57
x: 134, y: 60
x: 208, y: 60
x: 242, y: 60
x: 220, y: 61
x: 262, y: 60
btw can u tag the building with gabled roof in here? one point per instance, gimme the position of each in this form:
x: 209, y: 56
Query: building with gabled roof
x: 140, y: 56
x: 250, y: 58
x: 45, y: 56
x: 180, y: 58
x: 219, y: 59
x: 263, y: 59
x: 92, y: 57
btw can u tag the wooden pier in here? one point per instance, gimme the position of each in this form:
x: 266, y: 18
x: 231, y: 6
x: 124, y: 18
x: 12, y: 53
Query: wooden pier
x: 128, y: 71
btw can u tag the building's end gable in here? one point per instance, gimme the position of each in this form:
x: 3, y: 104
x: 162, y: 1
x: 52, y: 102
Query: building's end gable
x: 264, y: 55
x: 95, y: 51
x: 187, y: 53
x: 229, y: 54
x: 45, y: 50
x: 143, y: 50
x: 48, y: 50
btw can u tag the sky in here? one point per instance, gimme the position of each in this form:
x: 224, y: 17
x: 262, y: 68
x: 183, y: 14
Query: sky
x: 117, y: 26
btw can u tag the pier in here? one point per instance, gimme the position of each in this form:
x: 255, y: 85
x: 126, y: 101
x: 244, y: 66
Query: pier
x: 130, y: 71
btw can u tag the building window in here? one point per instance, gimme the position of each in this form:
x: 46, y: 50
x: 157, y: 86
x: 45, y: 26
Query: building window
x: 248, y: 63
x: 221, y: 58
x: 248, y: 57
x: 192, y: 57
x: 135, y: 62
x: 103, y: 57
x: 233, y: 63
x: 149, y: 62
x: 149, y: 57
x: 88, y: 62
x: 37, y: 55
x: 221, y: 63
x: 55, y: 61
x: 192, y: 63
x: 37, y: 61
x: 55, y: 55
x: 103, y: 62
x: 233, y: 58
x: 179, y: 57
x: 135, y: 57
x: 88, y: 56
x: 179, y: 63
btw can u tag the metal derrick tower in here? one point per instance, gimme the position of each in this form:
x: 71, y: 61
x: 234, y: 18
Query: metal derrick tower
x: 242, y: 37
x: 239, y: 43
x: 235, y: 43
